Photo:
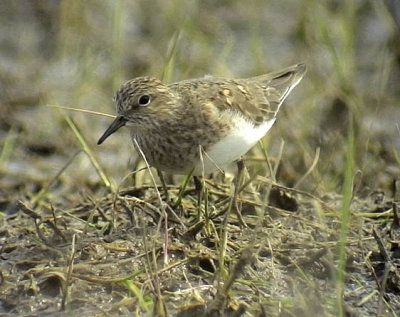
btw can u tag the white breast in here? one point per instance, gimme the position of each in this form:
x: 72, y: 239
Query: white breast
x: 240, y: 140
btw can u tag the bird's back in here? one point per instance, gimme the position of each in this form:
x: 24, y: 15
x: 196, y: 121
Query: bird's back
x: 257, y: 98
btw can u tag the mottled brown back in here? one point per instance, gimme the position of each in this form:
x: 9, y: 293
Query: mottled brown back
x: 258, y: 98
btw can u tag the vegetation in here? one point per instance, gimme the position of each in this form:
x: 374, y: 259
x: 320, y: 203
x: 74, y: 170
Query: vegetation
x: 84, y: 230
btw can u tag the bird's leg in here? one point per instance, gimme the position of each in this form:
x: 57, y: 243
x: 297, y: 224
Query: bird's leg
x: 163, y: 184
x: 198, y: 185
x: 238, y: 183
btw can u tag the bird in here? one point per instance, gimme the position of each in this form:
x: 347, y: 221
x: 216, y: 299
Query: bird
x: 200, y: 125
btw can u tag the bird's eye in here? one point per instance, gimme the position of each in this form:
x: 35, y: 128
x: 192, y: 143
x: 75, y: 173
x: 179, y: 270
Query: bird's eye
x: 144, y: 100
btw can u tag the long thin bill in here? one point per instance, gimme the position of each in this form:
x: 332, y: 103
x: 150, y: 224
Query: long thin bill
x: 117, y: 123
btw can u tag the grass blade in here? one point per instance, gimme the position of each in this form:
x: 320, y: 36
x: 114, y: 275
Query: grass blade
x: 88, y: 151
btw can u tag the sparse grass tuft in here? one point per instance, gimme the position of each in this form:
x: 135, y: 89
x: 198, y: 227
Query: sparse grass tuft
x: 313, y: 194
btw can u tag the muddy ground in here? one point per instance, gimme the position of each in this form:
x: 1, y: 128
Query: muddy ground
x: 80, y: 234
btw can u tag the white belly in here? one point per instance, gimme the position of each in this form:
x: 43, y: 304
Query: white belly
x: 241, y: 139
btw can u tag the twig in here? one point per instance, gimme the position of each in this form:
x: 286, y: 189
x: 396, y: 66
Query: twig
x: 69, y: 273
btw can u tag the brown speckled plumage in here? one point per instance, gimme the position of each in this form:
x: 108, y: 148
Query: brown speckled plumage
x: 180, y: 117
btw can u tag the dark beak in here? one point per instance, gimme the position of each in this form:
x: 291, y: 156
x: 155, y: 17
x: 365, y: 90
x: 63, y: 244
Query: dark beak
x: 117, y: 123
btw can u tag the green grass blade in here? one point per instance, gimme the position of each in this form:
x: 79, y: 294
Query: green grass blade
x: 88, y: 151
x: 345, y: 220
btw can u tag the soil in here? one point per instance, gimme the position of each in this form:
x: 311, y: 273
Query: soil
x: 125, y: 252
x: 85, y: 231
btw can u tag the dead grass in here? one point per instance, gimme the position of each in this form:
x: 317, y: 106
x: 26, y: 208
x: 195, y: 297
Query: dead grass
x: 280, y: 264
x: 80, y: 233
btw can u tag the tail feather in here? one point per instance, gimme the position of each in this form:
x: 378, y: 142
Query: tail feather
x: 272, y: 89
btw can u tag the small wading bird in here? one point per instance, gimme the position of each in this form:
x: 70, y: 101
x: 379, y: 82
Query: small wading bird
x: 200, y: 125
